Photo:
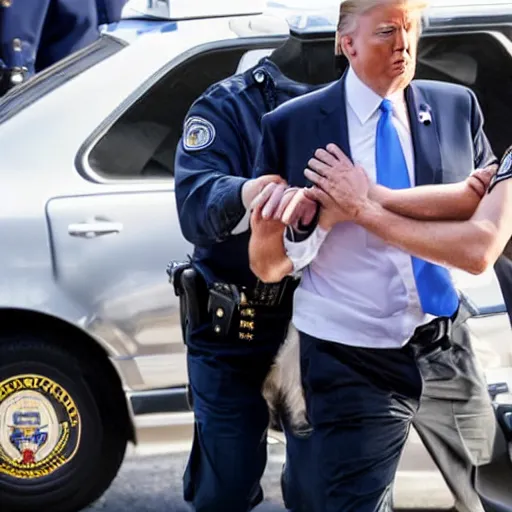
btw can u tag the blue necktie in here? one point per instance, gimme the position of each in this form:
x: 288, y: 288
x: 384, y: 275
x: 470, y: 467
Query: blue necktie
x: 435, y: 289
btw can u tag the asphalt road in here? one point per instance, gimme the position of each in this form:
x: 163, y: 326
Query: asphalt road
x: 152, y: 483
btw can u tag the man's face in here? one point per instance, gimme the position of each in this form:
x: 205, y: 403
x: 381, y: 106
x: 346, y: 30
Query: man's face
x: 384, y: 46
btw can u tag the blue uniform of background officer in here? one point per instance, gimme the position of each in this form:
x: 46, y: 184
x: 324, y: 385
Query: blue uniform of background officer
x: 34, y: 34
x: 230, y: 353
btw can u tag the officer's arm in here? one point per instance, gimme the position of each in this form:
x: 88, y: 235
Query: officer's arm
x: 473, y: 245
x: 275, y: 250
x: 454, y: 201
x: 267, y: 255
x: 209, y: 173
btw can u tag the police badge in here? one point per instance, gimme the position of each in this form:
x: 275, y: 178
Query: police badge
x: 198, y: 134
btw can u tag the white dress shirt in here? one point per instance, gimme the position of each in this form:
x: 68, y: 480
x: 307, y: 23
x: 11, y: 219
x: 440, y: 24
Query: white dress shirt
x: 356, y: 289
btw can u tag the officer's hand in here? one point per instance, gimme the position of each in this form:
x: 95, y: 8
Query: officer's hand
x: 269, y: 199
x: 251, y: 189
x: 335, y: 175
x: 298, y: 209
x: 287, y: 204
x: 479, y: 180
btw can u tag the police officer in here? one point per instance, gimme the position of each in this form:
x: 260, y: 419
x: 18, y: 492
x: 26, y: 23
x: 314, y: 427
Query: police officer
x: 36, y: 34
x: 234, y: 324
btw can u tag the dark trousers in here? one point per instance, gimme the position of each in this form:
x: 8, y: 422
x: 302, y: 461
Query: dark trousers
x: 229, y: 452
x: 298, y: 496
x: 360, y: 403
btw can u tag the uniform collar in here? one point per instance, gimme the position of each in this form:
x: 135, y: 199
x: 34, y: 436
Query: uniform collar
x: 364, y: 101
x: 278, y: 77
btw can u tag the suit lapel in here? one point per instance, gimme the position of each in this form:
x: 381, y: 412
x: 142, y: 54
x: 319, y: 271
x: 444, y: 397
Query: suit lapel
x: 331, y: 126
x: 425, y: 138
x: 332, y: 119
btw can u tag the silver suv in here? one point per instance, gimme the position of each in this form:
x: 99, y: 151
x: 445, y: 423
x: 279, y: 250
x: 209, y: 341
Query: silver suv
x: 91, y: 351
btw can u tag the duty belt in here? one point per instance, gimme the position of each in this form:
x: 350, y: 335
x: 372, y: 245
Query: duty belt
x: 226, y: 299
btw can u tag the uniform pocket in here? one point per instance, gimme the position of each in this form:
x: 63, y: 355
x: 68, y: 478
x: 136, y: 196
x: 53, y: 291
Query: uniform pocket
x: 437, y: 365
x: 476, y: 424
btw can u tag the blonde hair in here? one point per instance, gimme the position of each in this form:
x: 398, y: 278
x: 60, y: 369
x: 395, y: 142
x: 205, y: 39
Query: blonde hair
x: 351, y: 9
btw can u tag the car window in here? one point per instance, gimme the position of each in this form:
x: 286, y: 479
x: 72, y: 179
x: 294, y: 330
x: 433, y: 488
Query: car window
x: 141, y: 143
x: 61, y: 72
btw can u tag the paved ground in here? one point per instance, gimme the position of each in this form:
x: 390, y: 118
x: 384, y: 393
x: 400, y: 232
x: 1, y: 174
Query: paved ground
x: 152, y: 483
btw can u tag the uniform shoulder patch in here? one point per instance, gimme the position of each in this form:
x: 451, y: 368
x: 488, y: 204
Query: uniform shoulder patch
x: 198, y: 133
x: 504, y: 171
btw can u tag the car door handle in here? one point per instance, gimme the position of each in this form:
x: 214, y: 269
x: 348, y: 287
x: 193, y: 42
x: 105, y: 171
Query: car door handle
x: 94, y: 228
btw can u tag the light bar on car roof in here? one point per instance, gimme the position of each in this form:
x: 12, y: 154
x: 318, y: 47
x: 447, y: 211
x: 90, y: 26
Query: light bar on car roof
x: 174, y: 10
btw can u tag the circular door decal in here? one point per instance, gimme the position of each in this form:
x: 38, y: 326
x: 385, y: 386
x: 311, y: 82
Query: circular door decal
x: 39, y: 426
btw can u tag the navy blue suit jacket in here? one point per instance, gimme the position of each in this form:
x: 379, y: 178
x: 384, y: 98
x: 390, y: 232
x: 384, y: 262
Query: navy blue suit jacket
x: 445, y: 151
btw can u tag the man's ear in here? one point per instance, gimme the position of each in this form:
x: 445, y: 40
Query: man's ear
x: 345, y: 46
x: 349, y: 46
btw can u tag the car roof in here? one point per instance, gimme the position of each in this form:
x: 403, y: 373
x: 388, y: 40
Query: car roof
x: 164, y: 38
x: 302, y: 18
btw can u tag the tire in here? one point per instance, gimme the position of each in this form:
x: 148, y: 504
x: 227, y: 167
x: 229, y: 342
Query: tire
x: 71, y: 462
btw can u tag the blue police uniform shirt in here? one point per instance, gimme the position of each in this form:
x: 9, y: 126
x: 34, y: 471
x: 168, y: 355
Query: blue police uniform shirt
x: 215, y: 157
x: 36, y: 34
x: 109, y: 11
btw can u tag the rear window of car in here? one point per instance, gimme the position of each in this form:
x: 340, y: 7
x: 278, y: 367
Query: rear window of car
x: 42, y: 83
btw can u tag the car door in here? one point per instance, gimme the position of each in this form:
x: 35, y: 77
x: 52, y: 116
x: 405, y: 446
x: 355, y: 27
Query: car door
x: 111, y: 246
x: 110, y: 255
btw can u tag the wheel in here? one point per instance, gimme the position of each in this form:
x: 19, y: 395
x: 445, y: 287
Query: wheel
x: 63, y: 434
